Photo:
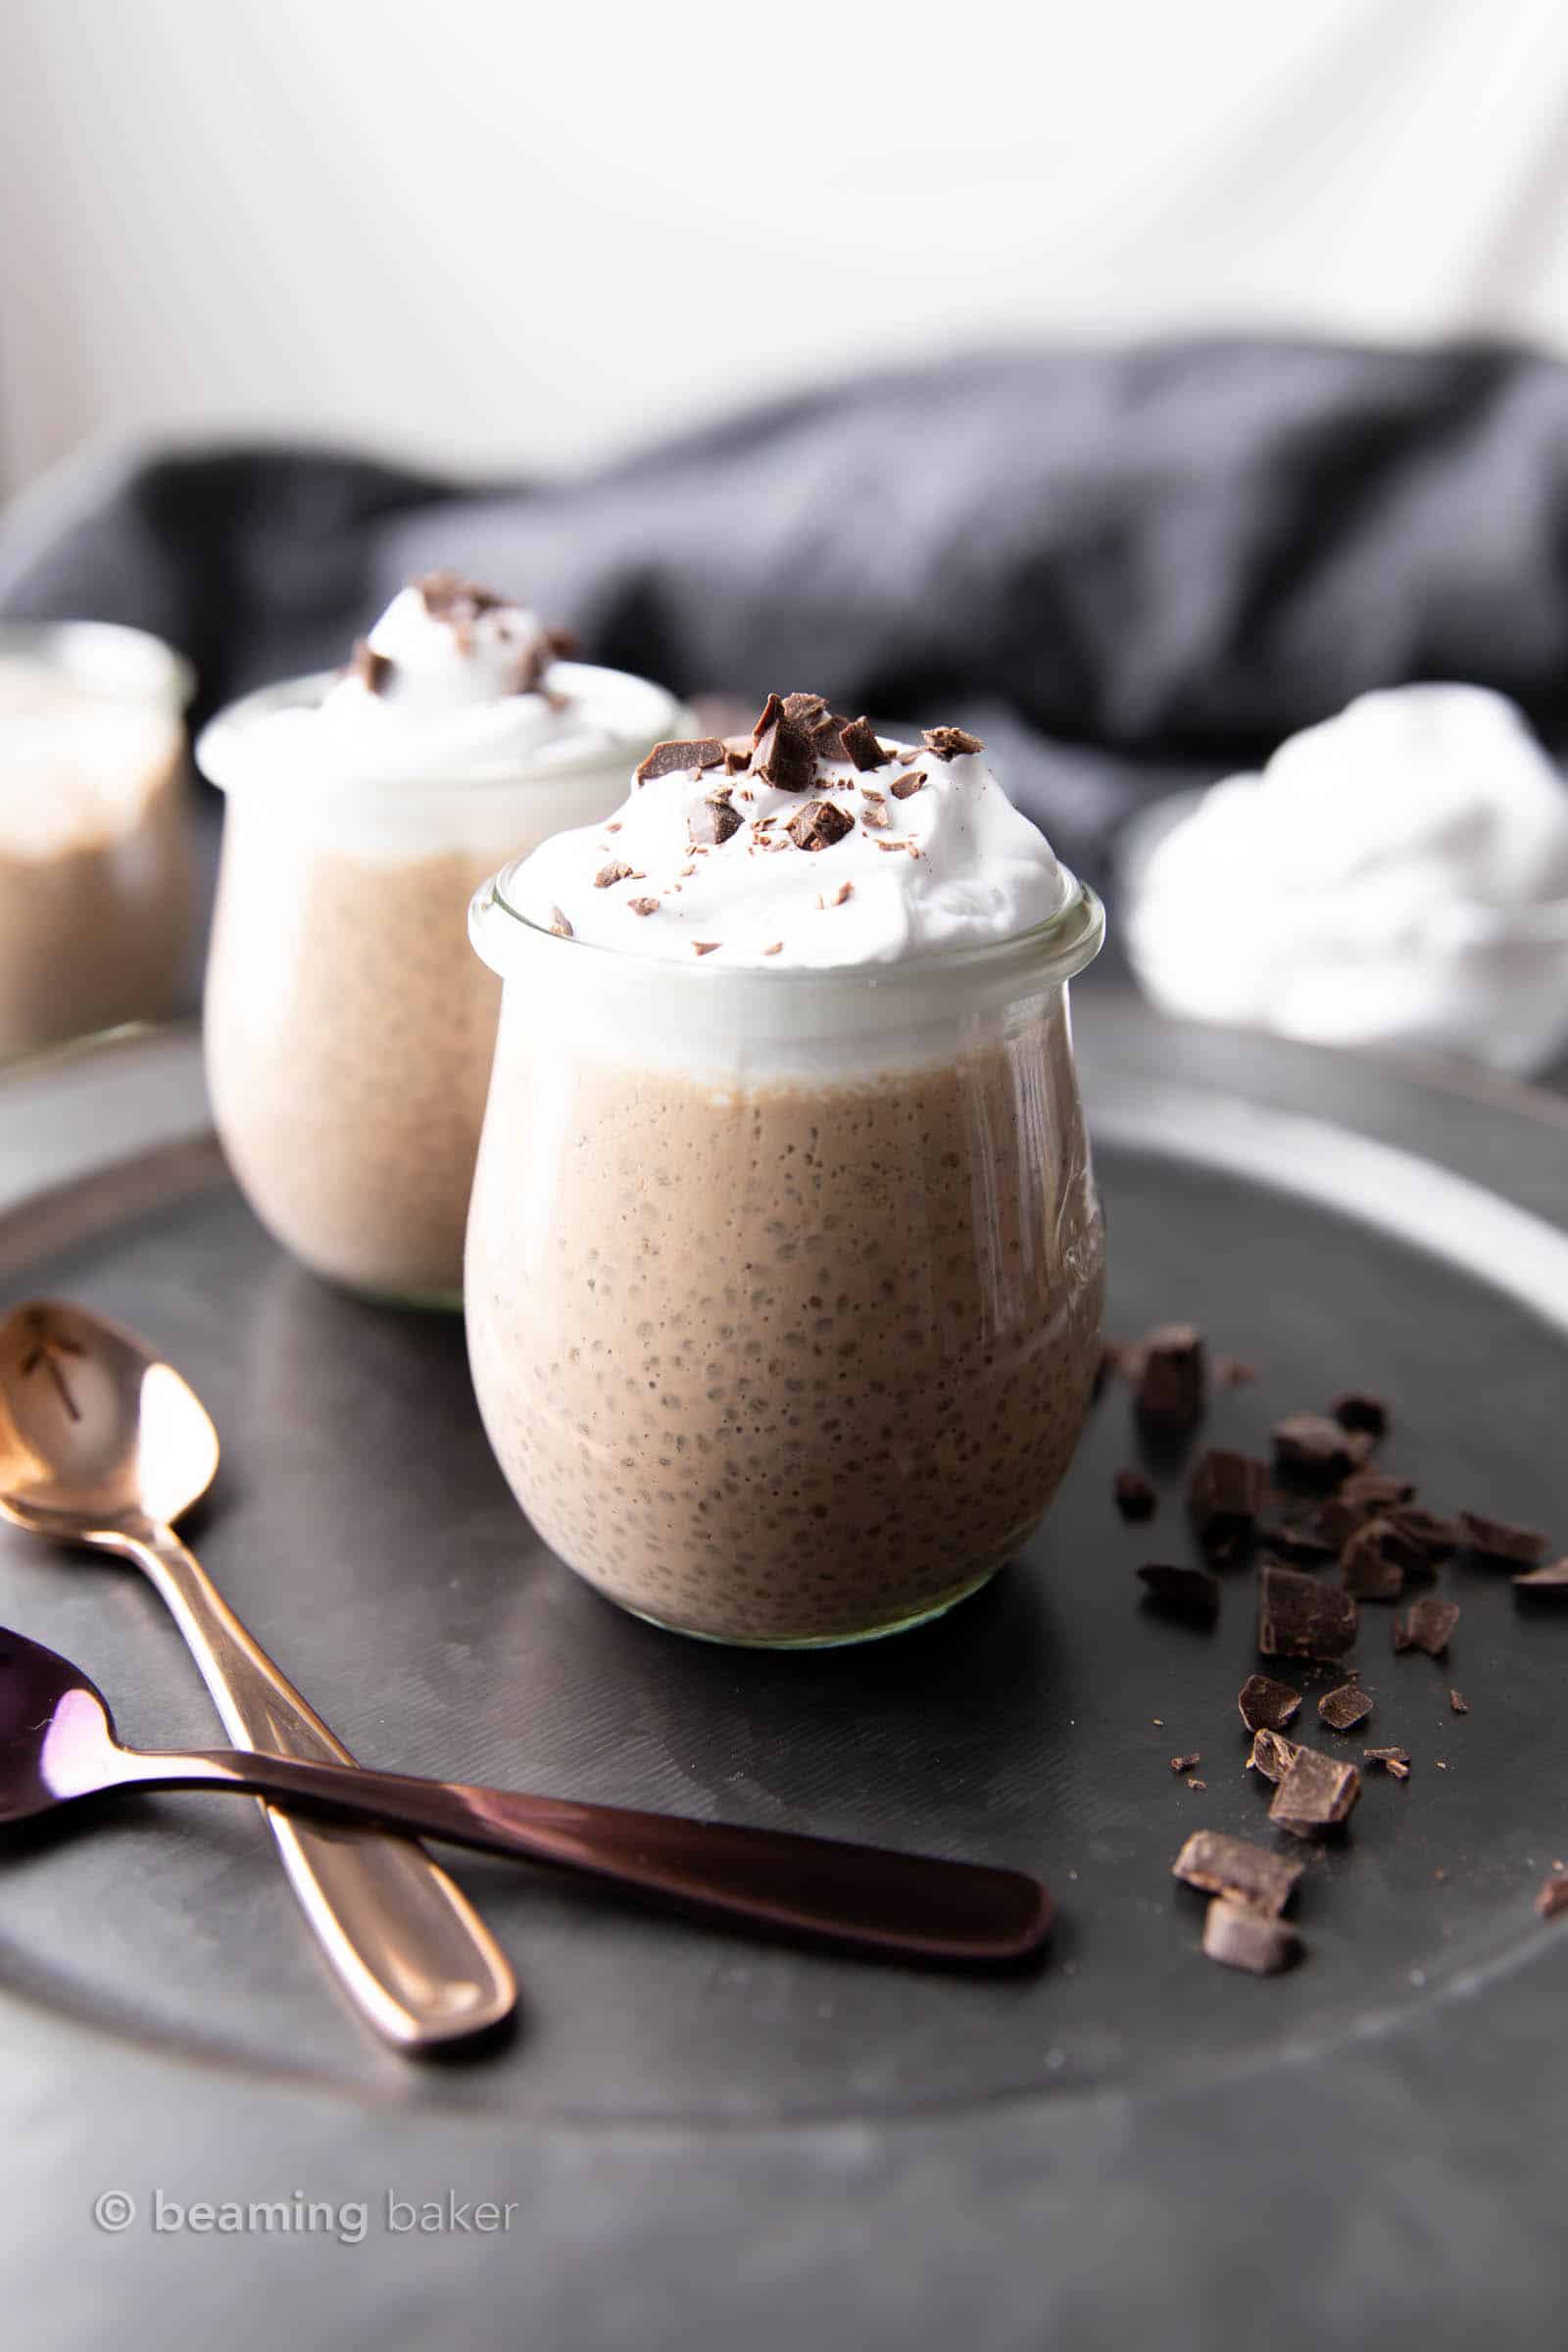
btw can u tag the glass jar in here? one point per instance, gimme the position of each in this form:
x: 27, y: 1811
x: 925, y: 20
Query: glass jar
x: 95, y: 855
x: 784, y: 1287
x: 348, y: 1027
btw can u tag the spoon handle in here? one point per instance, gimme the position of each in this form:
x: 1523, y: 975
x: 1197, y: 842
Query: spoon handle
x: 403, y: 1940
x: 864, y: 1898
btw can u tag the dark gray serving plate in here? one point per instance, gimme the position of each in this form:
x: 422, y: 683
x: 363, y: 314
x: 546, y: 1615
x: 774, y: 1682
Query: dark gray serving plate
x: 708, y: 2142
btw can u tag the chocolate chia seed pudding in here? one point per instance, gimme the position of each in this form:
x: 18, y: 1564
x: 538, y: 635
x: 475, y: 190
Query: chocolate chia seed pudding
x: 95, y: 868
x: 785, y: 1258
x: 349, y: 1029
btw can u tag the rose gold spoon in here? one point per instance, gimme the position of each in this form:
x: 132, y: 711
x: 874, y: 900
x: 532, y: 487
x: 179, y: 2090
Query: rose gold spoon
x: 58, y: 1742
x: 103, y: 1445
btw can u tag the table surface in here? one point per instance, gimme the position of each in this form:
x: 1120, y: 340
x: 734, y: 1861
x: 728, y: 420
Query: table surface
x: 703, y: 2139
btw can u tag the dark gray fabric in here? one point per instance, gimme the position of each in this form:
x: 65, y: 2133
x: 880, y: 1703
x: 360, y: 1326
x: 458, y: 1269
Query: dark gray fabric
x: 1124, y: 565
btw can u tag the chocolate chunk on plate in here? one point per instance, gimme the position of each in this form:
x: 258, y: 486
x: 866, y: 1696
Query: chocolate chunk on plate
x: 1224, y: 1498
x: 1135, y: 1496
x: 1183, y: 1591
x: 1544, y: 1584
x: 1172, y: 1376
x: 1300, y: 1618
x: 1317, y: 1792
x: 1427, y: 1626
x: 1395, y: 1761
x: 1343, y: 1709
x: 1355, y: 1408
x: 1267, y: 1705
x: 1238, y: 1935
x: 1220, y: 1865
x: 1313, y: 1446
x: 1498, y: 1539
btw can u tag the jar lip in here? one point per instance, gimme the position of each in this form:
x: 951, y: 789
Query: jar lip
x: 630, y: 713
x: 105, y: 656
x: 1053, y: 951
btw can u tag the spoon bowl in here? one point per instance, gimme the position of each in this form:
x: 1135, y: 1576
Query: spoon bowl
x: 56, y: 1739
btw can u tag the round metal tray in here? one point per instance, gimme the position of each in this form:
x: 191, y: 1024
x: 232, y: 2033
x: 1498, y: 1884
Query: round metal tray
x: 702, y: 2136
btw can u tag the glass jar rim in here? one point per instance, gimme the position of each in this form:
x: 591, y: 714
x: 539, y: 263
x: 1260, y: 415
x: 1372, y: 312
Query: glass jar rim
x: 1048, y: 952
x: 224, y: 754
x: 104, y: 657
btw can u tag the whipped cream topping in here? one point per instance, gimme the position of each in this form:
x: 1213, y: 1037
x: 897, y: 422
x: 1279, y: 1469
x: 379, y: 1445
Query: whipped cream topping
x: 814, y: 844
x: 1393, y: 873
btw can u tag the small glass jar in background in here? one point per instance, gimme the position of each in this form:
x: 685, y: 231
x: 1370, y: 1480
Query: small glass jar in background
x: 96, y: 912
x: 783, y: 1285
x: 349, y: 1027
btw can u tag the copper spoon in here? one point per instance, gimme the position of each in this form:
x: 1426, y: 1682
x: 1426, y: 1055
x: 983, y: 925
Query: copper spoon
x: 58, y: 1742
x: 102, y: 1444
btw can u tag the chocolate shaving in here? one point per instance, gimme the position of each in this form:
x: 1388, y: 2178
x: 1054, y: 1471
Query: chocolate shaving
x: 1185, y: 1592
x: 372, y: 669
x: 818, y: 825
x: 1549, y: 1583
x: 946, y: 743
x: 643, y: 906
x: 560, y: 925
x: 1343, y: 1709
x: 874, y: 816
x: 1316, y: 1447
x: 844, y: 891
x: 1172, y: 1379
x: 713, y: 821
x: 1551, y: 1896
x: 1220, y: 1865
x: 775, y: 950
x: 901, y: 787
x: 1271, y: 1755
x: 1317, y: 1792
x: 1223, y: 1499
x: 674, y: 758
x: 1238, y: 1935
x: 1298, y: 1618
x: 1394, y: 1761
x: 1498, y: 1540
x: 706, y: 946
x: 861, y: 746
x: 1354, y: 1409
x: 1458, y: 1701
x: 609, y: 875
x: 1136, y: 1498
x: 1185, y: 1763
x: 1427, y: 1626
x: 1267, y: 1705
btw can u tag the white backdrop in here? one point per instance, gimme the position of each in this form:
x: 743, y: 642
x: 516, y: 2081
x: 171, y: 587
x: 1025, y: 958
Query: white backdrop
x: 499, y: 234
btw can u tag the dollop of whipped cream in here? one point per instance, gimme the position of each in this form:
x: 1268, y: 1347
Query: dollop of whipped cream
x: 1393, y: 874
x: 451, y: 680
x: 814, y: 843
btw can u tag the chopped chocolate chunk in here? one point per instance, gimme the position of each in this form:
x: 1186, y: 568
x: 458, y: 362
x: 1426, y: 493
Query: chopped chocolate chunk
x: 1185, y: 1763
x: 1172, y: 1378
x: 1374, y: 1489
x: 1298, y: 1618
x: 1498, y: 1539
x: 1185, y: 1592
x: 1376, y: 1560
x: 827, y: 735
x: 706, y: 946
x: 1305, y: 1541
x: 713, y: 821
x: 1551, y: 1896
x: 1267, y: 1705
x: 609, y: 875
x: 876, y: 816
x: 560, y: 925
x: 1238, y: 1935
x: 1427, y: 1626
x: 805, y: 710
x: 1343, y: 1709
x: 1395, y: 1761
x: 901, y: 787
x: 1135, y: 1496
x: 1437, y: 1539
x: 1355, y: 1409
x: 1316, y: 1447
x: 1549, y: 1583
x: 946, y: 743
x: 784, y: 755
x: 372, y: 669
x: 861, y: 746
x: 818, y: 825
x: 1220, y: 1865
x: 1317, y: 1792
x: 736, y: 762
x: 1271, y: 1755
x: 643, y: 906
x: 1458, y: 1701
x: 448, y: 597
x: 674, y: 758
x: 1224, y: 1498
